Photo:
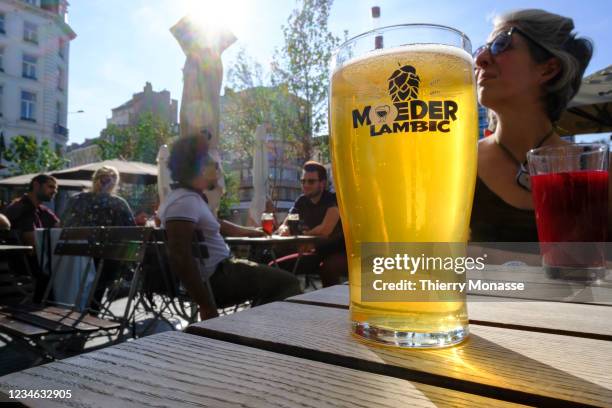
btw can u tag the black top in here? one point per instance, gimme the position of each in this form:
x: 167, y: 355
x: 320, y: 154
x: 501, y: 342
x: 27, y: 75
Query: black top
x: 25, y: 216
x: 97, y: 210
x: 312, y: 214
x: 494, y: 220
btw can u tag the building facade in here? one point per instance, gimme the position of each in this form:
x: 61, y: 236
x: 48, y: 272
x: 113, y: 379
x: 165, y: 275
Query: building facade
x: 84, y: 153
x: 160, y: 104
x: 284, y: 169
x: 34, y: 67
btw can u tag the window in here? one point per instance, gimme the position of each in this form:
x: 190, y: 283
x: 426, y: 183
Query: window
x: 2, y: 21
x: 61, y: 45
x: 28, y: 106
x: 58, y: 113
x: 30, y: 32
x: 60, y: 79
x: 28, y: 66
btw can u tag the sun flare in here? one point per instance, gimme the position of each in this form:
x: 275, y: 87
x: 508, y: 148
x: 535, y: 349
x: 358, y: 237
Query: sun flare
x: 217, y: 15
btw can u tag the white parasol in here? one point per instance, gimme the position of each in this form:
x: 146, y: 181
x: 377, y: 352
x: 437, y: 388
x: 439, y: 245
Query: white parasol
x: 260, y: 176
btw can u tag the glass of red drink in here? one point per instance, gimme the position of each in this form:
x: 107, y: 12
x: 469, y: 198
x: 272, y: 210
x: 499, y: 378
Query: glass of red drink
x: 569, y: 186
x: 267, y: 223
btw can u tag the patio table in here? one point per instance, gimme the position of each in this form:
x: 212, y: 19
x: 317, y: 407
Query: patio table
x: 300, y: 353
x: 277, y: 241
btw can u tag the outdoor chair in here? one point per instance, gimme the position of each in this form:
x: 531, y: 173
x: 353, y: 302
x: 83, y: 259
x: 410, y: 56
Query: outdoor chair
x: 48, y: 328
x: 16, y: 279
x: 162, y: 294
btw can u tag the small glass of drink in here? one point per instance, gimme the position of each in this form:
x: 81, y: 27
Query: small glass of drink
x: 267, y: 223
x: 570, y: 195
x: 293, y: 222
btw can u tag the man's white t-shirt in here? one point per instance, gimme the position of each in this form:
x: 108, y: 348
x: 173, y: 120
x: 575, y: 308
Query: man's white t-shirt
x: 187, y: 205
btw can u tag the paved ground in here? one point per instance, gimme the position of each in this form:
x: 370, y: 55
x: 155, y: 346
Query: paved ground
x: 14, y: 358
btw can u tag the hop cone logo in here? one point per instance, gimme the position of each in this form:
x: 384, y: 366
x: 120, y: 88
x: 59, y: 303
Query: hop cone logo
x: 404, y: 84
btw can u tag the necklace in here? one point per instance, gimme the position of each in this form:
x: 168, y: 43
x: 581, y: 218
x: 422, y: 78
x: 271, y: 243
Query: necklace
x: 522, y: 176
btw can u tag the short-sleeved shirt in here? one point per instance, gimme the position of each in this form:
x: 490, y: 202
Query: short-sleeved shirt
x: 312, y: 214
x: 97, y: 210
x: 187, y: 205
x: 25, y: 216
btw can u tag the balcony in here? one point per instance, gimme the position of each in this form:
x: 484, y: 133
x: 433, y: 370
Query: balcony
x: 60, y: 130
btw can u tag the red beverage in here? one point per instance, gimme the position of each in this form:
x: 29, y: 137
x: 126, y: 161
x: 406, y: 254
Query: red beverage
x: 571, y: 207
x: 267, y: 226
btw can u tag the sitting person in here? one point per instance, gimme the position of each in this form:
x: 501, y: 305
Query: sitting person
x: 318, y: 211
x: 185, y: 211
x: 527, y: 74
x: 27, y: 213
x: 100, y: 207
x: 141, y: 217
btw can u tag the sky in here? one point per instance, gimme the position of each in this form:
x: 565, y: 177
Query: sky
x: 121, y: 45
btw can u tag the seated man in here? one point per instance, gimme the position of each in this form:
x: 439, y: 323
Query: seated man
x: 184, y: 211
x: 318, y: 211
x: 28, y: 213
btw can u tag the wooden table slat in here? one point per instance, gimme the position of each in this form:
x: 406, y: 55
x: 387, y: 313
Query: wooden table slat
x: 580, y: 320
x: 540, y: 364
x: 176, y: 369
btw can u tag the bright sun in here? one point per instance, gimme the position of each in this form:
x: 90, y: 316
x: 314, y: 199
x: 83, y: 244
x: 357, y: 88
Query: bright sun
x: 217, y: 14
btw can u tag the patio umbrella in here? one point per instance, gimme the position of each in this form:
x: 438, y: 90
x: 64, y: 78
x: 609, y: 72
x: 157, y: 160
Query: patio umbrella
x: 591, y: 109
x: 260, y: 176
x: 130, y: 171
x: 24, y: 179
x: 202, y: 77
x: 163, y: 174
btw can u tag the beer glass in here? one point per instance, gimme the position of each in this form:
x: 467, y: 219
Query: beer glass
x: 267, y: 223
x: 404, y: 129
x: 293, y: 222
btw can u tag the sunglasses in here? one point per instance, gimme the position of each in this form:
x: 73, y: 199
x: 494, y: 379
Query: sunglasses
x: 309, y: 181
x: 502, y: 42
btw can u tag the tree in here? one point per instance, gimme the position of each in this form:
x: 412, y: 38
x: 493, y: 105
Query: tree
x: 303, y: 66
x: 138, y: 143
x: 230, y: 198
x: 27, y: 156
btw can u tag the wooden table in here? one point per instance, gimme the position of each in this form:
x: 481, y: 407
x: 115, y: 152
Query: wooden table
x: 299, y: 353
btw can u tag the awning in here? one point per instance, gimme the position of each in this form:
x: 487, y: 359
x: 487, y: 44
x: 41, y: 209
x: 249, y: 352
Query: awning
x: 24, y: 179
x: 130, y: 171
x: 591, y: 109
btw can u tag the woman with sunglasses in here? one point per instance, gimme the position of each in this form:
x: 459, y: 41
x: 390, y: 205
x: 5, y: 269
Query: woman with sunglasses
x: 526, y: 74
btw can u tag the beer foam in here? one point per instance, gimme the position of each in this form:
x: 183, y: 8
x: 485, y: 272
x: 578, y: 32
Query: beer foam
x: 403, y: 50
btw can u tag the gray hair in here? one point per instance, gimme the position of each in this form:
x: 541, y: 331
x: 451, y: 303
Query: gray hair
x: 554, y: 33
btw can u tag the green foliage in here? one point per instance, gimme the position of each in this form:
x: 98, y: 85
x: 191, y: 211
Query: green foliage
x: 136, y: 143
x: 321, y: 144
x: 230, y: 198
x: 303, y: 62
x: 27, y: 156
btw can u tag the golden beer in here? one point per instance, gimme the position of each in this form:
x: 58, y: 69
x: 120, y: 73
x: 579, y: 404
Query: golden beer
x: 404, y: 128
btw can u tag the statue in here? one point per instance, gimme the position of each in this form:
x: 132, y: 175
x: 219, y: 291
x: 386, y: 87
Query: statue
x: 202, y: 77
